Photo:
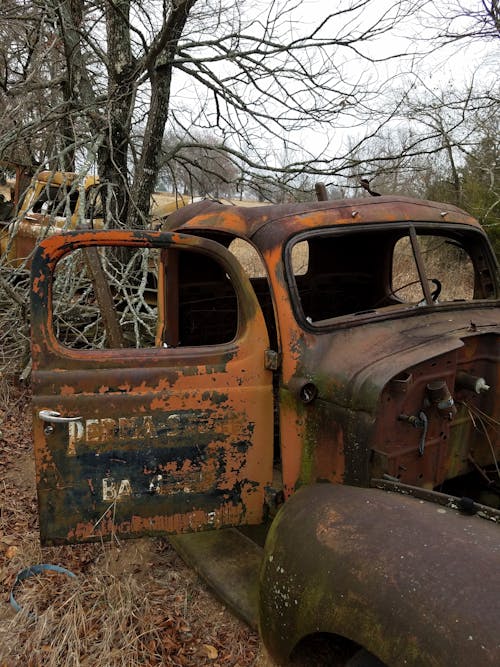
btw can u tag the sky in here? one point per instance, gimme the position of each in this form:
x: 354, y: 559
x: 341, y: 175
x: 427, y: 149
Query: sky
x: 448, y: 67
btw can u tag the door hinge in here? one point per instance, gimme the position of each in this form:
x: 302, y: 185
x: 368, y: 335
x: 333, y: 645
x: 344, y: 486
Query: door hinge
x: 272, y: 360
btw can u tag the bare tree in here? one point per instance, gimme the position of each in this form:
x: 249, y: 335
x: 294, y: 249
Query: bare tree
x: 198, y: 168
x: 443, y: 145
x: 241, y: 85
x: 459, y: 20
x: 111, y: 77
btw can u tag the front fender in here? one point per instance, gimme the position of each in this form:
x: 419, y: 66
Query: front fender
x: 414, y: 583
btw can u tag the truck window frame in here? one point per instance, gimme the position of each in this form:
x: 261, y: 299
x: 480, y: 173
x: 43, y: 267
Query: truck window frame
x: 478, y: 250
x: 43, y: 270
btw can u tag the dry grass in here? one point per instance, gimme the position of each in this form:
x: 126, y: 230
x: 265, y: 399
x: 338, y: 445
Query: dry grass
x: 133, y: 603
x: 446, y: 262
x: 140, y: 613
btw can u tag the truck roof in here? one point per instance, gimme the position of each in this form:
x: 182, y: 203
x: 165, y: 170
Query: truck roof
x: 245, y: 221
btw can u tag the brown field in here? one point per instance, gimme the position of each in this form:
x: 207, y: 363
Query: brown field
x: 164, y: 198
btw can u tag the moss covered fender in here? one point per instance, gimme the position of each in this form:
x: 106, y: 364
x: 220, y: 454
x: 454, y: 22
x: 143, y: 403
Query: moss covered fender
x: 412, y: 582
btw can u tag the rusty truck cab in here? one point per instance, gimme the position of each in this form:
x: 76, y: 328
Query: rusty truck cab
x: 378, y: 310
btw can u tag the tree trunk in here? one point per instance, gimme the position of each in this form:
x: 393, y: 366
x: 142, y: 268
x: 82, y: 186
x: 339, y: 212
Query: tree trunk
x: 161, y: 77
x: 113, y: 153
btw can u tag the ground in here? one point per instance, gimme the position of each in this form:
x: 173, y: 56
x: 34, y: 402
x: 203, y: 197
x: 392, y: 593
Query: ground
x: 132, y: 603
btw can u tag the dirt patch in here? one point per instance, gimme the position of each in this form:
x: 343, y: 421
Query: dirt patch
x: 134, y: 602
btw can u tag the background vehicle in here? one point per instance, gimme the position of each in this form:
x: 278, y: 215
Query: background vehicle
x: 316, y: 382
x: 50, y: 201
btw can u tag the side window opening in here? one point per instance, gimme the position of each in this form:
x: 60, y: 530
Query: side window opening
x: 253, y: 265
x: 56, y: 200
x: 154, y: 299
x: 255, y: 269
x: 79, y: 314
x: 248, y: 257
x: 208, y: 306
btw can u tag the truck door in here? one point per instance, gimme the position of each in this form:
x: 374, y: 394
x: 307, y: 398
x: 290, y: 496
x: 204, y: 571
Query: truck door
x: 171, y: 432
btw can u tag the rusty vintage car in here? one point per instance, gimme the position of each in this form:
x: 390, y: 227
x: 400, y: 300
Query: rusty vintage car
x: 312, y: 414
x: 47, y: 202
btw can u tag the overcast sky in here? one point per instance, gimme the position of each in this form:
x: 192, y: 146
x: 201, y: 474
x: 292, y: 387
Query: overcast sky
x: 451, y: 66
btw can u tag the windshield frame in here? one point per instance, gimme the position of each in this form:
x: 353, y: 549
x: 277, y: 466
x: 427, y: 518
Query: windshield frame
x: 473, y: 240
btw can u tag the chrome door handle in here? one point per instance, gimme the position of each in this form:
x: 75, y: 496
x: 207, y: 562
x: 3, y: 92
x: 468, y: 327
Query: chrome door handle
x: 56, y: 418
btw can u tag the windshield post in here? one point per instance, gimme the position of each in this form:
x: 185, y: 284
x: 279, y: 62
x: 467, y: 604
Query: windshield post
x: 420, y: 266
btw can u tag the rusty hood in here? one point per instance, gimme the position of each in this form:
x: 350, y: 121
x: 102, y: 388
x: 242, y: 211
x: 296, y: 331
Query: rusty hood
x: 385, y: 349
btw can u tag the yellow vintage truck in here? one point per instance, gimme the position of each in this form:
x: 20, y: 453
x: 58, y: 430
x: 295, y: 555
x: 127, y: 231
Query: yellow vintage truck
x: 50, y: 201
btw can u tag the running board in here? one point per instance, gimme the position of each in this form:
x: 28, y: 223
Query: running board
x: 230, y: 563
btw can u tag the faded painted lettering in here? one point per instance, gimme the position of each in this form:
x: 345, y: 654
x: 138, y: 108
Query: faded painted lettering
x: 112, y: 490
x: 75, y: 434
x: 92, y: 432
